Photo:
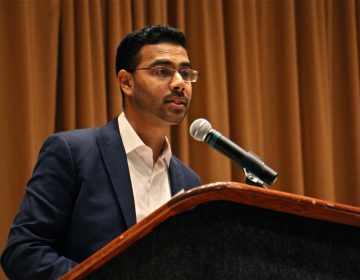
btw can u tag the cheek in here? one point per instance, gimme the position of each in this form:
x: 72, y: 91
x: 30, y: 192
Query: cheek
x: 150, y: 94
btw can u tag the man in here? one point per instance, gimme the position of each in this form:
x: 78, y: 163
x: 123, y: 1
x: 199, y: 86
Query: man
x: 90, y: 185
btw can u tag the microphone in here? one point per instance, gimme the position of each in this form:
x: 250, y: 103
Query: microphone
x: 201, y: 130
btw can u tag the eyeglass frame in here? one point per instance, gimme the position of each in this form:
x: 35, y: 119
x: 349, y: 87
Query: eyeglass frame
x: 153, y: 68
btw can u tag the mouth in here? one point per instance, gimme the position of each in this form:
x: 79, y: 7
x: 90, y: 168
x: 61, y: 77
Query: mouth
x: 177, y: 103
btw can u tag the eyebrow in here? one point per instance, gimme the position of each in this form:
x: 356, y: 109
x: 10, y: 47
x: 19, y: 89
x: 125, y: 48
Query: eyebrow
x: 169, y: 63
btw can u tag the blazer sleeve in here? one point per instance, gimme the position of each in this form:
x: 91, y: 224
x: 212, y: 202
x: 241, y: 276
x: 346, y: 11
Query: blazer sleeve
x: 35, y: 245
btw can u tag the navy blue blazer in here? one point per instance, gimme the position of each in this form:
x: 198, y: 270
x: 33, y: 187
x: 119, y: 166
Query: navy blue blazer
x: 78, y: 199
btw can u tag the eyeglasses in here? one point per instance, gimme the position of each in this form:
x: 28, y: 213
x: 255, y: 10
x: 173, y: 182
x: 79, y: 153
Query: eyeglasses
x: 167, y: 73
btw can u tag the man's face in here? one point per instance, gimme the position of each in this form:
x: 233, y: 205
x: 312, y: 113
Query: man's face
x: 163, y: 101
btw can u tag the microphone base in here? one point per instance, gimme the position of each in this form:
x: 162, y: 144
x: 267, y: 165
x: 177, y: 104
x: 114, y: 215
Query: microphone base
x: 253, y: 180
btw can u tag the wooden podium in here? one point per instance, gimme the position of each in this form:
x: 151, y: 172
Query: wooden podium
x: 230, y: 230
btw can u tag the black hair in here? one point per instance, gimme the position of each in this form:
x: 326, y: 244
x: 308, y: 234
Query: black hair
x: 127, y: 54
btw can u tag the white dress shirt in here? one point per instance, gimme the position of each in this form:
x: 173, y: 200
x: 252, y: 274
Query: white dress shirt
x: 150, y: 182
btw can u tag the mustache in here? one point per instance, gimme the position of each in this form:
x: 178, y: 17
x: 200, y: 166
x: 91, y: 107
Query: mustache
x: 176, y: 94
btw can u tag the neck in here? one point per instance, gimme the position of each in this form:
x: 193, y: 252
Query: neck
x: 152, y: 135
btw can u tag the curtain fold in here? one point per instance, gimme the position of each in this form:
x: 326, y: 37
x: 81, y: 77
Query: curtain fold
x: 345, y: 97
x: 205, y: 33
x: 278, y: 77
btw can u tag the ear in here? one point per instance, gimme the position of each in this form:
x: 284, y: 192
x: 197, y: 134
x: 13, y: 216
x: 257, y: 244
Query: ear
x: 126, y: 81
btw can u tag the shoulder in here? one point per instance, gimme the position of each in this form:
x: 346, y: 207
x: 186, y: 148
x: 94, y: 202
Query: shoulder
x: 86, y: 136
x: 79, y: 143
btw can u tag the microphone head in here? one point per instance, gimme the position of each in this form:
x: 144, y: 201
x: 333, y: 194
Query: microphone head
x: 199, y: 129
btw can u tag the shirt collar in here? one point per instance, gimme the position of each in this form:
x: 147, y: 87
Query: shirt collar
x: 133, y: 142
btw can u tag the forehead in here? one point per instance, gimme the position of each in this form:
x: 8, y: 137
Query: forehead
x: 175, y: 54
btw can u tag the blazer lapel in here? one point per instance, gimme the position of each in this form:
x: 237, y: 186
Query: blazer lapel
x: 177, y: 180
x: 114, y: 155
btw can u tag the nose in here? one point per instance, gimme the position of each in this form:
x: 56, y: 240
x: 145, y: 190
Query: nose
x: 177, y: 83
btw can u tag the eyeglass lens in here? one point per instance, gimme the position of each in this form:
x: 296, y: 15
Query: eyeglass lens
x: 188, y: 75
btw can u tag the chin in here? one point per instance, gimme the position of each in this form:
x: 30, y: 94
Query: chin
x: 174, y: 120
x: 173, y: 117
